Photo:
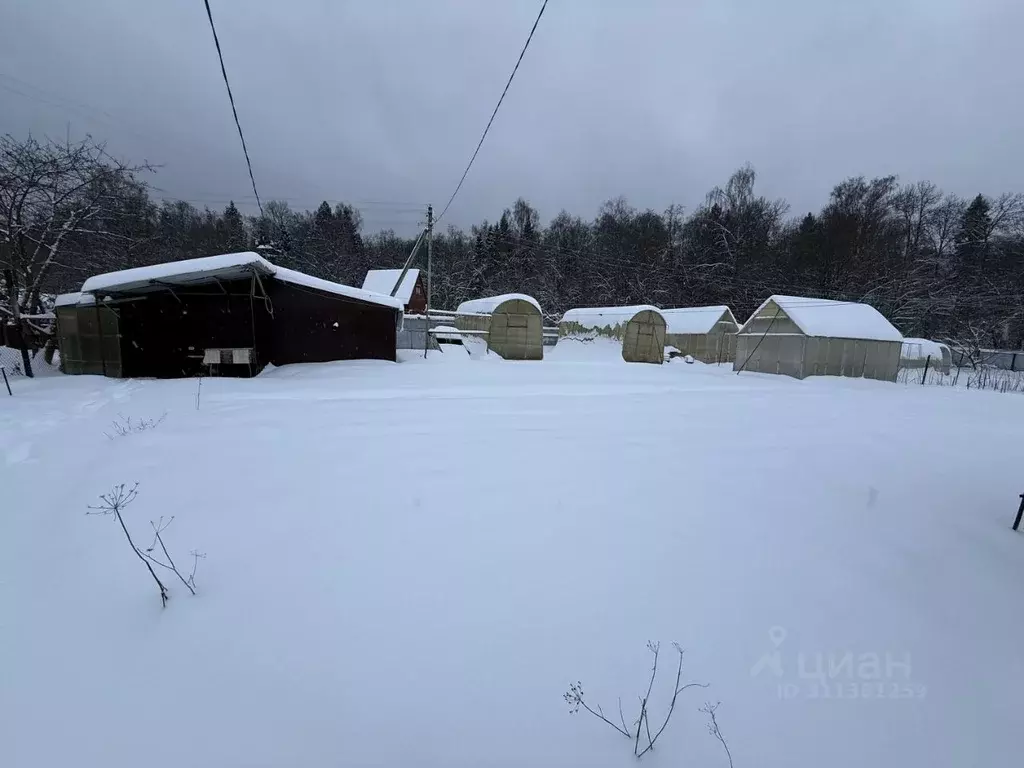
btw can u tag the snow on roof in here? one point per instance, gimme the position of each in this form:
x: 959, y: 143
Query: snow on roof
x: 301, y: 278
x: 384, y: 281
x: 225, y: 266
x: 491, y: 303
x: 74, y: 300
x: 67, y: 299
x: 202, y: 270
x: 600, y: 317
x: 919, y: 349
x: 697, y: 319
x: 834, y: 319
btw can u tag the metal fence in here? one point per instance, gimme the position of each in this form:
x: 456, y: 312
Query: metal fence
x: 1004, y: 359
x: 11, y: 361
x: 984, y: 377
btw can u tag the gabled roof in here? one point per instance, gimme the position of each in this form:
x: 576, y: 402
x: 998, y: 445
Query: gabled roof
x: 384, y: 280
x: 697, y: 319
x: 228, y: 266
x: 488, y: 305
x: 832, y: 319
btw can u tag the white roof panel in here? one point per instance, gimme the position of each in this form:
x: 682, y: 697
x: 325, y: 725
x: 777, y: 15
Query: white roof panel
x: 697, y: 319
x: 384, y: 281
x: 833, y: 319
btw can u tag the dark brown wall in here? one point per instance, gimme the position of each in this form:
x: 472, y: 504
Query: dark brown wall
x: 164, y: 336
x: 311, y: 326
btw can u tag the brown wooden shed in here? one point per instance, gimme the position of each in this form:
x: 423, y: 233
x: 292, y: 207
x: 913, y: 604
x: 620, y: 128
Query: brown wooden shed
x: 230, y: 314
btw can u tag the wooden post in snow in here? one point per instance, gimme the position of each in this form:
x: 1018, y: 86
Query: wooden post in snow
x: 1020, y: 514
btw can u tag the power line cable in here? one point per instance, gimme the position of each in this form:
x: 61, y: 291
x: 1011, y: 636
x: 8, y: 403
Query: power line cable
x: 495, y: 112
x: 231, y: 98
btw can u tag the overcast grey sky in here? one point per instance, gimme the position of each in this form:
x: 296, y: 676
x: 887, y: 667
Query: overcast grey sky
x: 657, y: 100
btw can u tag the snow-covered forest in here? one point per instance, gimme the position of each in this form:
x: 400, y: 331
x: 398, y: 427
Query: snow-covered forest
x: 938, y: 265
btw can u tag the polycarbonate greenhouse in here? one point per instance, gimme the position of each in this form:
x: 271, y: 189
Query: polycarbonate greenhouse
x: 800, y: 337
x: 640, y: 329
x: 708, y: 334
x: 511, y: 323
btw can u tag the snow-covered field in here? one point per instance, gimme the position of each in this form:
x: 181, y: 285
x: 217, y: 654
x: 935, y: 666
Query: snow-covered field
x: 407, y: 565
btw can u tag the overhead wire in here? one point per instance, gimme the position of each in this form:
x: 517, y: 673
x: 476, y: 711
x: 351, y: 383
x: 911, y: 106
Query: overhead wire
x: 495, y: 112
x: 231, y: 98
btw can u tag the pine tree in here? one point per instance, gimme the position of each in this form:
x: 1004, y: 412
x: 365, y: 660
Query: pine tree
x: 233, y: 230
x: 972, y: 238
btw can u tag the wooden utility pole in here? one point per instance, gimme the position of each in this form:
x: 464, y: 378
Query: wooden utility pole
x: 430, y: 276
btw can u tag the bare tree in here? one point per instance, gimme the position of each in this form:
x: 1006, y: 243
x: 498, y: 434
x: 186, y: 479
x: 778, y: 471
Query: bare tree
x: 641, y: 727
x: 50, y: 192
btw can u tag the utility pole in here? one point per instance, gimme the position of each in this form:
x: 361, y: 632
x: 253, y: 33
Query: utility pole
x: 430, y: 276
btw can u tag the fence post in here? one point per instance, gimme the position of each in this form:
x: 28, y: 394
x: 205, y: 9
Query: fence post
x: 924, y: 376
x: 1020, y: 513
x: 12, y: 395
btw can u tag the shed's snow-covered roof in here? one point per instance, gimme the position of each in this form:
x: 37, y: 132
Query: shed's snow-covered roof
x: 67, y: 299
x: 599, y: 317
x: 74, y: 300
x: 697, y: 319
x: 225, y: 267
x: 919, y: 349
x: 202, y: 270
x: 491, y: 303
x: 301, y: 278
x: 384, y: 280
x: 833, y: 319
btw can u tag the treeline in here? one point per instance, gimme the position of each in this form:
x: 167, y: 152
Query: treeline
x: 937, y: 265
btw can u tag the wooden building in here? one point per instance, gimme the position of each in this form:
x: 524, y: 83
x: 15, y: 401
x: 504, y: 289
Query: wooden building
x: 231, y: 314
x: 412, y: 292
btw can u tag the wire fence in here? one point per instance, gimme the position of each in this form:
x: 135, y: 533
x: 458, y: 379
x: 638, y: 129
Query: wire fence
x: 981, y: 377
x: 11, y: 361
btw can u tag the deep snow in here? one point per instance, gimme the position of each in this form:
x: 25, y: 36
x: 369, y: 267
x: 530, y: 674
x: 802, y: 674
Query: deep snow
x: 407, y: 565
